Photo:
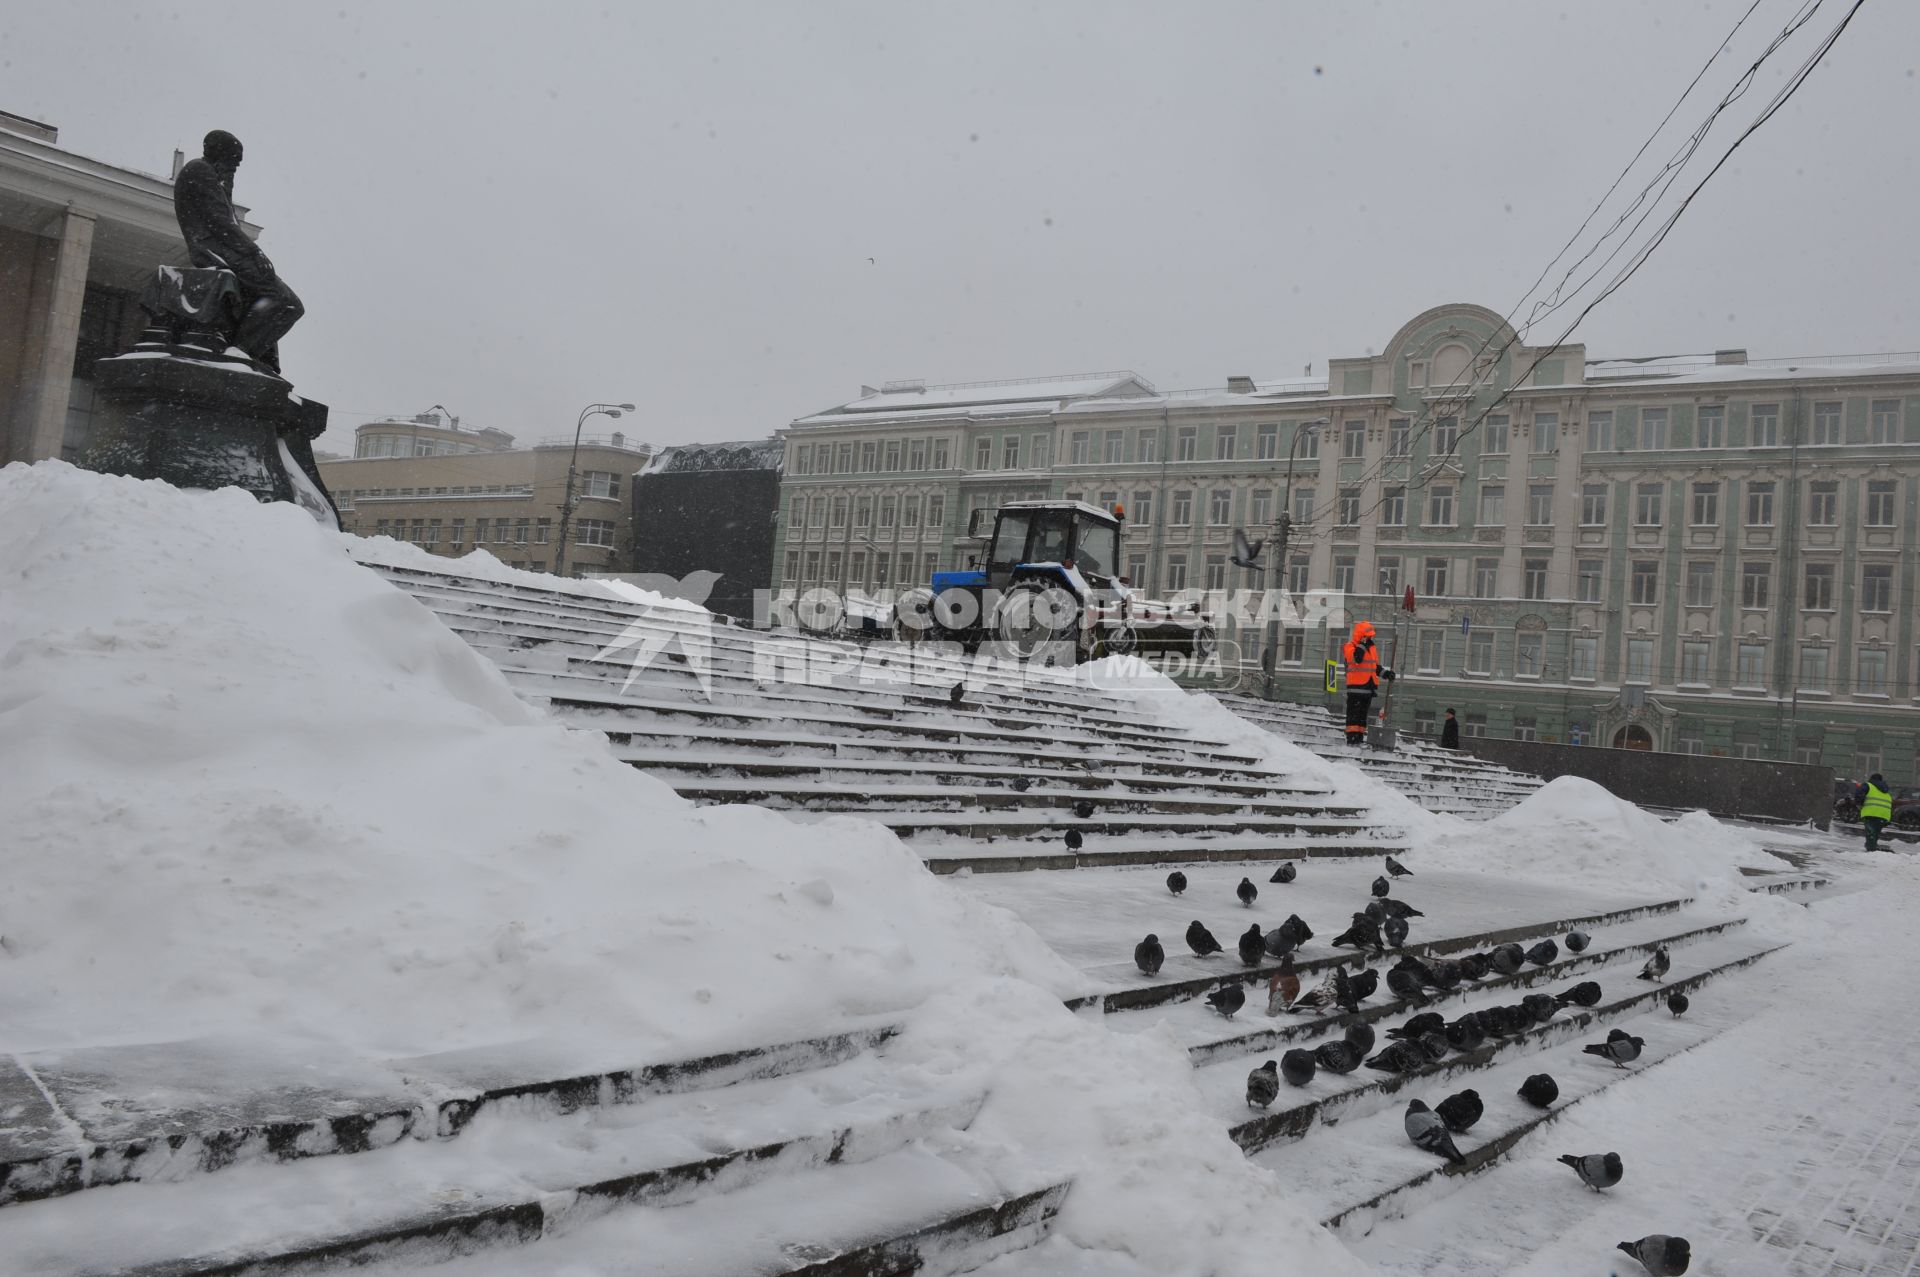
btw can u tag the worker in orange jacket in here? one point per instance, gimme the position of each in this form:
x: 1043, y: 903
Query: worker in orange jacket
x: 1364, y: 672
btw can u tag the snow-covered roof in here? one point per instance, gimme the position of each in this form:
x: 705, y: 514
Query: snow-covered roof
x: 1668, y: 370
x: 1029, y: 395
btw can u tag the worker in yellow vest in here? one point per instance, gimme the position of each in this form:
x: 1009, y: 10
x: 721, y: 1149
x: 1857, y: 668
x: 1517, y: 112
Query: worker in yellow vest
x: 1364, y: 672
x: 1876, y: 808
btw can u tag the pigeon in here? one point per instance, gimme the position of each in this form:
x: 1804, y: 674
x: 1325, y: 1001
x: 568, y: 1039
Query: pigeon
x: 1287, y: 872
x: 1363, y: 934
x: 1201, y: 941
x: 1228, y: 998
x: 1540, y: 1006
x: 1584, y: 994
x: 1427, y: 1131
x: 1540, y: 1090
x: 1460, y: 1111
x: 1403, y: 983
x: 1381, y: 886
x: 1288, y: 936
x: 1367, y: 983
x: 1083, y: 808
x: 1465, y: 1034
x: 1148, y: 955
x: 1444, y: 975
x: 1324, y: 996
x: 1677, y: 1003
x: 1397, y: 869
x: 1263, y: 1085
x: 1252, y: 946
x: 1507, y: 959
x: 1176, y: 882
x: 1399, y: 1057
x: 1425, y: 1022
x: 1399, y: 909
x: 956, y: 696
x: 1074, y: 841
x: 1433, y: 1045
x: 1359, y: 1036
x: 1338, y: 1056
x: 1596, y: 1170
x: 1297, y: 1066
x: 1246, y: 554
x: 1661, y: 1255
x: 1297, y: 927
x: 1577, y: 941
x: 1621, y: 1047
x: 1021, y: 784
x: 1658, y: 965
x: 1474, y: 966
x: 1283, y: 990
x: 1394, y: 932
x: 1543, y: 953
x: 1247, y: 892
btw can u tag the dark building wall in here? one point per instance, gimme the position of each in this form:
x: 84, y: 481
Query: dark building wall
x: 709, y: 520
x: 1723, y: 786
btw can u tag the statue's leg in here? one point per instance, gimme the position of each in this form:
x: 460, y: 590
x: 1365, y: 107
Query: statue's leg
x: 272, y: 308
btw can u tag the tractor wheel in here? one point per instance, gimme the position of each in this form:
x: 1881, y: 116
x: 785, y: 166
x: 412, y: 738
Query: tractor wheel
x: 1205, y: 644
x: 1119, y: 640
x: 1040, y: 619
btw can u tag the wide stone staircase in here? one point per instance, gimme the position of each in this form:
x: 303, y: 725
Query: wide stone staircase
x: 821, y: 1156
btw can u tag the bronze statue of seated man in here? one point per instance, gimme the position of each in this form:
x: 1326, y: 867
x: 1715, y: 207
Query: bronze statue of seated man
x: 203, y: 202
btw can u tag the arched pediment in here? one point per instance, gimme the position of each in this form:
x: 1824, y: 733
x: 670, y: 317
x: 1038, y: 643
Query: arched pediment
x: 1460, y: 323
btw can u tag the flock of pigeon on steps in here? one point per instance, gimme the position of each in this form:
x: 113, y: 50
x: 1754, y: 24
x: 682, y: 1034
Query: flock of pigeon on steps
x: 1426, y: 1037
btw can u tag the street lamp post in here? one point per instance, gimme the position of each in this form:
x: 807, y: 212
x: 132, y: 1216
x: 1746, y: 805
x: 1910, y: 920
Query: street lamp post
x: 1282, y: 527
x: 573, y: 461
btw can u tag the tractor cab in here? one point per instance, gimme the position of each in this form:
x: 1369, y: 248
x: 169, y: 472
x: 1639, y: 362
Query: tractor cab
x: 1031, y: 536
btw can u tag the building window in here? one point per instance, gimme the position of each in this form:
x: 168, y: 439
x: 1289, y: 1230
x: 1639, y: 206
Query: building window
x: 888, y: 507
x: 1818, y: 595
x: 1303, y: 505
x: 833, y: 568
x: 863, y: 512
x: 1186, y: 443
x: 1751, y: 669
x: 1344, y: 570
x: 1353, y: 439
x: 480, y: 528
x: 1814, y: 664
x: 1266, y: 442
x: 1536, y: 578
x: 1423, y: 720
x: 1399, y: 437
x: 1765, y: 425
x: 458, y: 536
x: 1041, y: 451
x: 817, y: 512
x: 906, y: 567
x: 1866, y: 762
x: 1388, y: 566
x: 1474, y: 726
x: 1393, y: 508
x: 1308, y: 449
x: 939, y: 454
x: 1216, y: 578
x: 1646, y: 582
x: 1220, y: 507
x: 1142, y: 511
x: 813, y: 565
x: 936, y: 512
x: 542, y: 531
x: 1823, y: 503
x: 1480, y: 652
x: 1710, y: 427
x: 1539, y: 504
x: 1648, y: 498
x: 1876, y: 587
x: 1147, y: 446
x: 909, y: 512
x: 1262, y: 507
x: 1807, y: 750
x: 1546, y: 432
x: 1176, y: 573
x: 803, y: 459
x: 1225, y: 443
x: 1293, y: 646
x: 1435, y: 578
x: 1640, y: 660
x: 1586, y: 657
x: 1653, y: 428
x: 1760, y: 505
x: 1433, y: 645
x: 1756, y: 584
x: 917, y: 454
x: 1440, y: 505
x: 1529, y: 655
x: 1826, y: 423
x: 1010, y: 453
x: 1706, y: 505
x: 870, y: 457
x: 1137, y: 571
x: 1349, y: 507
x: 1493, y: 504
x: 1417, y: 374
x: 882, y: 570
x: 1884, y: 425
x: 1495, y: 433
x: 1589, y: 577
x: 1880, y: 495
x: 857, y: 569
x: 843, y: 459
x: 1182, y: 508
x: 1593, y: 505
x: 1486, y: 578
x: 793, y: 566
x: 1599, y: 432
x: 1297, y: 574
x: 1691, y: 741
x: 1525, y: 728
x: 1873, y: 672
x: 601, y: 483
x: 983, y: 453
x: 1080, y: 447
x: 1446, y: 436
x: 596, y: 532
x: 1693, y: 663
x: 839, y: 517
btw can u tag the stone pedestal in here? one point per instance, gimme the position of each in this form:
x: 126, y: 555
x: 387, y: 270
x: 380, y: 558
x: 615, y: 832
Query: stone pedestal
x: 198, y: 420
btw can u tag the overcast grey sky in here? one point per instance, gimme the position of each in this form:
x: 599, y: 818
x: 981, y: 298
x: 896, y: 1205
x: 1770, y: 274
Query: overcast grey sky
x: 734, y: 214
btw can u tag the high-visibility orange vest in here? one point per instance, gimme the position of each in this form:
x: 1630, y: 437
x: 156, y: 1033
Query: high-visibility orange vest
x: 1363, y: 667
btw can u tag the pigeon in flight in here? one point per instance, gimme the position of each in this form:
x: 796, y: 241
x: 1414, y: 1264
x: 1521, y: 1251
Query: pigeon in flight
x: 1661, y: 1255
x: 1297, y: 1067
x: 1381, y: 886
x: 1283, y: 990
x: 1287, y: 872
x: 1584, y: 994
x: 1596, y: 1170
x: 1621, y: 1047
x: 1263, y: 1085
x: 1365, y: 985
x: 1246, y: 554
x: 1176, y: 882
x: 1148, y: 955
x: 1540, y: 1090
x: 1460, y: 1111
x: 1338, y: 1056
x: 1577, y: 941
x: 1658, y: 965
x: 1397, y: 869
x: 1247, y: 892
x: 1228, y: 998
x: 1428, y: 1132
x: 1201, y: 941
x: 1252, y: 946
x: 1083, y: 808
x: 1677, y: 1003
x: 1543, y: 953
x: 1074, y: 840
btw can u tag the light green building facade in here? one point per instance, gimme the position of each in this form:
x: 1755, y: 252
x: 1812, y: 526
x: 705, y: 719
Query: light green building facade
x: 1703, y: 554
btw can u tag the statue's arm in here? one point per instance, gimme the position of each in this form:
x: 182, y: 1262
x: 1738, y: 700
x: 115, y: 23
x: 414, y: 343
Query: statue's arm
x: 202, y: 194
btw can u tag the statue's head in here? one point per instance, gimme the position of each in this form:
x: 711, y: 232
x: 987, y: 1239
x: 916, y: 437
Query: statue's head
x: 222, y: 150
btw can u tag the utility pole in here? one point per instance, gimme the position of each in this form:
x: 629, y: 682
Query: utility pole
x: 1282, y: 533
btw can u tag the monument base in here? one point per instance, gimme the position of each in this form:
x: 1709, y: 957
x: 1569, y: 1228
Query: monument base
x: 199, y: 420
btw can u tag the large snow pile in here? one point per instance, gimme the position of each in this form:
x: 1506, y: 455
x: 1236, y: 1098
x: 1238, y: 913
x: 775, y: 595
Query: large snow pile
x: 481, y: 563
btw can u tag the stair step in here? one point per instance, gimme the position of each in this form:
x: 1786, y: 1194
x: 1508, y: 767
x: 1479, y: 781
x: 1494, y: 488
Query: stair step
x: 1021, y: 855
x: 886, y: 797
